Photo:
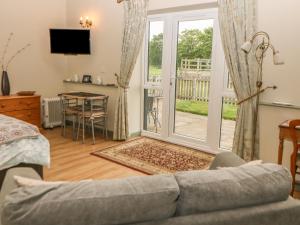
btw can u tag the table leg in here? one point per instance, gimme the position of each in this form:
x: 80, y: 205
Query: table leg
x: 280, y: 151
x: 83, y: 123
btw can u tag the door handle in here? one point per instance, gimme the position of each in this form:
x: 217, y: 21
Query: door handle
x: 172, y: 81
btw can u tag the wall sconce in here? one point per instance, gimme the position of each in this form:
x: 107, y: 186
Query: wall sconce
x: 262, y: 48
x: 85, y: 22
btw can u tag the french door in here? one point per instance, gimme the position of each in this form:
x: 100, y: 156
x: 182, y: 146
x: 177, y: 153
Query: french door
x: 185, y: 84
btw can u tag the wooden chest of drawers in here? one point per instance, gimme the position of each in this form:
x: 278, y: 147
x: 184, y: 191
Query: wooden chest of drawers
x: 26, y: 108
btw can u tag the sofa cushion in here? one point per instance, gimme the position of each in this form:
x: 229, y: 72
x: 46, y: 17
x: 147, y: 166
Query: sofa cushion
x: 130, y: 200
x: 226, y: 159
x: 277, y: 213
x: 205, y: 191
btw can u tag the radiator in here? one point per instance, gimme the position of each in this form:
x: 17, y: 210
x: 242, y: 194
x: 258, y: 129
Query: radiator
x: 52, y: 116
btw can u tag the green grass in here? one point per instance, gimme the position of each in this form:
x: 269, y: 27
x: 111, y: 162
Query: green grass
x: 201, y: 108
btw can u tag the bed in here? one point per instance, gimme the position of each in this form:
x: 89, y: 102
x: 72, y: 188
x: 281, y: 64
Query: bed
x: 21, y: 144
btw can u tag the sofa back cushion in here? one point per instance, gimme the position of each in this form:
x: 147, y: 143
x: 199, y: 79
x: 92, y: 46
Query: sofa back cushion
x: 112, y: 202
x: 230, y: 188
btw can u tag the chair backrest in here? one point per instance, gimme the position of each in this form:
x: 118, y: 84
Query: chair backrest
x: 67, y: 101
x: 293, y: 124
x: 98, y: 104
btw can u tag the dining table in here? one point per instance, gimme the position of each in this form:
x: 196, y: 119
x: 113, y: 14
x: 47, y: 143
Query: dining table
x: 85, y: 98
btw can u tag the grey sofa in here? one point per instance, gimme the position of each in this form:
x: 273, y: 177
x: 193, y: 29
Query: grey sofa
x: 238, y: 195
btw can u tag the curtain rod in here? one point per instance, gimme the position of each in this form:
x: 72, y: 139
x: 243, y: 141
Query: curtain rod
x: 119, y: 1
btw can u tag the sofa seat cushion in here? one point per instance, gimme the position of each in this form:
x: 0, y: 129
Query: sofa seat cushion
x: 230, y: 188
x: 277, y: 213
x: 110, y: 202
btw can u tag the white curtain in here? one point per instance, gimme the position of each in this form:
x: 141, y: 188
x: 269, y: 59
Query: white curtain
x: 237, y: 24
x: 134, y: 29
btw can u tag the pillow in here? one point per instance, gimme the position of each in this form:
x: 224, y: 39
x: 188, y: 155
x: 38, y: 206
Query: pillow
x: 28, y: 182
x: 251, y: 163
x: 110, y: 202
x: 12, y: 129
x: 226, y: 159
x: 236, y: 187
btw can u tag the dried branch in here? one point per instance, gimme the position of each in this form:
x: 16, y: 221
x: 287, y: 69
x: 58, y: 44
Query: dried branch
x: 16, y: 54
x: 5, y: 49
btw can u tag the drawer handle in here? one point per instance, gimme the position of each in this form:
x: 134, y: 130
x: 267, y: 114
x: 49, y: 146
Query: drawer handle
x: 28, y: 104
x: 2, y: 106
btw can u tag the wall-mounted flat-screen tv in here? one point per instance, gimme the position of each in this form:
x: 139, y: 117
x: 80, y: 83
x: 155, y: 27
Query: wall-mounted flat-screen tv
x: 67, y: 41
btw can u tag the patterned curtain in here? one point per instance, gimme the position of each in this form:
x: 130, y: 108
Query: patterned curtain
x: 135, y: 25
x: 237, y: 24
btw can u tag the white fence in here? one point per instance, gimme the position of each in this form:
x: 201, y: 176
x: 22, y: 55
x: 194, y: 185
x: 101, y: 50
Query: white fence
x: 197, y: 89
x: 196, y: 64
x: 193, y: 81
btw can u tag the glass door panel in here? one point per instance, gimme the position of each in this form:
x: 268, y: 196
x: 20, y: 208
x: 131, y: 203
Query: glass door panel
x: 153, y: 92
x: 193, y: 77
x: 153, y: 102
x: 155, y: 51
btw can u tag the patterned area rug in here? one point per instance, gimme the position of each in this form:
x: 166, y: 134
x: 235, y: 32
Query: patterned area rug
x: 156, y: 157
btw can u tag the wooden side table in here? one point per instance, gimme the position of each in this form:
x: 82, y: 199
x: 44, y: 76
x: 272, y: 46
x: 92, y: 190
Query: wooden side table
x: 284, y: 134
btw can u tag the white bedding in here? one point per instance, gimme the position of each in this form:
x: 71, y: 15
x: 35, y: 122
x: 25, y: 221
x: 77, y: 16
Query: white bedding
x: 30, y: 151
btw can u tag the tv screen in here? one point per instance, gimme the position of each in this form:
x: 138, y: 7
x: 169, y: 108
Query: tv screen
x: 66, y: 41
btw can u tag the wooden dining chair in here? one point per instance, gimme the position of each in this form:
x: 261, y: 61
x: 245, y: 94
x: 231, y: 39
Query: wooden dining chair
x: 295, y: 156
x: 69, y: 108
x: 94, y: 114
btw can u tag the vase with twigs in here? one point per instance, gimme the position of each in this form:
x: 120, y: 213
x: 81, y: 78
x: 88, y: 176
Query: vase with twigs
x: 5, y: 85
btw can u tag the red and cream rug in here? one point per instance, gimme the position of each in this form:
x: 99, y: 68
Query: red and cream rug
x: 156, y: 157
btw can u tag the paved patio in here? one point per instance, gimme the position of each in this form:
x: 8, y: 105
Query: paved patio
x: 195, y: 126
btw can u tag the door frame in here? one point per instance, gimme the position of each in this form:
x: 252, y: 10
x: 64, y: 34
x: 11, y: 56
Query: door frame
x: 169, y: 58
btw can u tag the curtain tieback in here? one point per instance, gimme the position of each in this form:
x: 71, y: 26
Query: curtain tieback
x: 120, y: 84
x: 256, y: 94
x: 123, y: 86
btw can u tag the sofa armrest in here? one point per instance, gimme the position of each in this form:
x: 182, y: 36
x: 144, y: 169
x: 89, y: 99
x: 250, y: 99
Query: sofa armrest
x: 226, y: 159
x: 9, y: 183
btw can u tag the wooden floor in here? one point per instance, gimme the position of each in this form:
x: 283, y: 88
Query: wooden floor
x: 72, y: 161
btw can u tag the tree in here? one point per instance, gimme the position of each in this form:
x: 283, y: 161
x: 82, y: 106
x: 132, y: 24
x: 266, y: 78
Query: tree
x: 155, y: 50
x: 192, y: 44
x: 195, y: 44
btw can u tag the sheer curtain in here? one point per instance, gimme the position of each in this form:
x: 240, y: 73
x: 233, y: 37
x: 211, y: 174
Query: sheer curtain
x: 135, y: 24
x: 237, y: 23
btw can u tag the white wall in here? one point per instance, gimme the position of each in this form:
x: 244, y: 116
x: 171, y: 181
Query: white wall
x: 165, y: 4
x: 281, y: 19
x: 30, y: 20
